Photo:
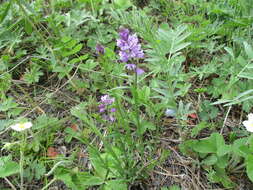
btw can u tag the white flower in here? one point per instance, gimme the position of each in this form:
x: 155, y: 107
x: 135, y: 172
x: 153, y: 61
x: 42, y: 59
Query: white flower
x: 170, y: 113
x: 21, y: 126
x: 249, y: 123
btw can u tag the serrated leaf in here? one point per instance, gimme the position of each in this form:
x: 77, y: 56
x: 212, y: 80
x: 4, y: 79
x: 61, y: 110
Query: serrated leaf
x: 249, y: 166
x: 239, y: 146
x: 210, y: 160
x: 8, y: 167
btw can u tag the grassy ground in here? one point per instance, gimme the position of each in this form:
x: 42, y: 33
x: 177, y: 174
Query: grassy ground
x: 126, y: 94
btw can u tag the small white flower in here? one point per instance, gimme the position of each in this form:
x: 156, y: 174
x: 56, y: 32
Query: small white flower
x: 21, y: 126
x: 249, y: 123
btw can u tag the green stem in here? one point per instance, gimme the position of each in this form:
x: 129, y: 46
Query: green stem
x: 52, y: 181
x: 21, y: 162
x: 92, y: 7
x: 136, y: 102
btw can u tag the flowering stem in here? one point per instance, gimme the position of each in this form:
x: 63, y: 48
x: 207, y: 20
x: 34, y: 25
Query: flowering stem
x: 136, y: 102
x: 21, y: 162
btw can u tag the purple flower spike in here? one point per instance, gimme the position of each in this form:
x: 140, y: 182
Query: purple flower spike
x: 139, y: 71
x: 124, y: 57
x: 111, y: 118
x: 130, y: 67
x: 113, y: 110
x: 100, y: 49
x: 129, y: 46
x: 107, y: 100
x: 102, y: 108
x: 124, y: 33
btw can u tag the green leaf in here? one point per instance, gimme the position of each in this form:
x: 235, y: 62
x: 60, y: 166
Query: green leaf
x: 146, y: 125
x: 122, y: 4
x: 222, y: 161
x: 196, y: 130
x: 106, y: 164
x: 210, y: 160
x: 79, y: 59
x: 33, y: 75
x: 40, y: 170
x: 249, y: 167
x: 144, y: 94
x: 213, y: 144
x: 89, y: 180
x: 44, y: 121
x: 70, y: 44
x: 66, y: 39
x: 77, y: 180
x: 248, y: 50
x: 239, y: 146
x: 79, y: 111
x: 230, y: 51
x: 2, y: 17
x: 88, y: 66
x: 4, y: 124
x: 223, y: 149
x: 115, y: 185
x: 179, y: 47
x: 187, y: 146
x: 219, y: 175
x: 73, y: 51
x: 28, y: 27
x: 65, y: 176
x: 8, y: 104
x: 206, y: 146
x: 8, y: 167
x: 174, y: 187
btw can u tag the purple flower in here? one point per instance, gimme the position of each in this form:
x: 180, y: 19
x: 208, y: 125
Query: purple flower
x: 129, y: 46
x: 139, y: 71
x: 109, y: 118
x: 124, y: 33
x: 113, y: 110
x: 102, y: 108
x: 124, y: 56
x: 130, y: 67
x: 100, y: 49
x: 107, y: 100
